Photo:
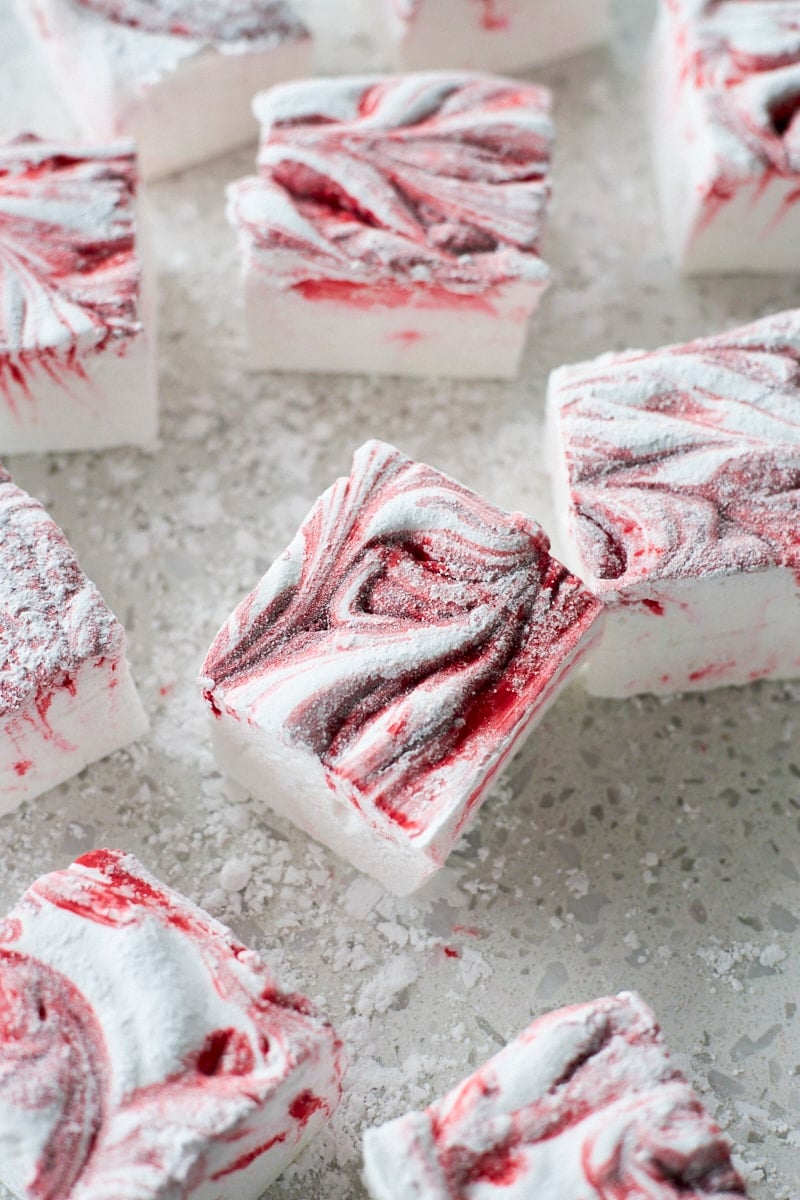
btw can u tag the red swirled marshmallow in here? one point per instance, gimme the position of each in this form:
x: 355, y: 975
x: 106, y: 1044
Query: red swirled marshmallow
x: 584, y: 1104
x: 177, y: 76
x: 726, y: 133
x: 76, y: 319
x: 395, y: 224
x: 677, y: 474
x: 381, y: 674
x: 66, y: 695
x: 145, y: 1053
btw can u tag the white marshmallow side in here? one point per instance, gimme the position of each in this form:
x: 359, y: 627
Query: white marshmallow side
x: 183, y: 101
x: 55, y: 736
x: 681, y: 647
x: 524, y: 33
x: 460, y: 337
x: 109, y: 401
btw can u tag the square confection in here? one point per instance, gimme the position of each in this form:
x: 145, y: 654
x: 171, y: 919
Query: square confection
x: 678, y: 474
x: 382, y: 673
x: 144, y: 1051
x: 176, y: 75
x: 584, y: 1105
x: 395, y: 223
x: 77, y: 343
x: 491, y: 35
x: 66, y: 697
x: 726, y: 132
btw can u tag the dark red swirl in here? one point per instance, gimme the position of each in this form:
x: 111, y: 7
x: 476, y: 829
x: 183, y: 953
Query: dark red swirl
x: 53, y: 1069
x: 206, y: 20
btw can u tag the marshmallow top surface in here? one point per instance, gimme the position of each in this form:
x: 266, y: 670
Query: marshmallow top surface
x: 584, y: 1103
x: 684, y: 462
x: 437, y: 178
x: 136, y: 1029
x: 52, y: 618
x: 402, y: 639
x: 70, y: 271
x: 742, y: 59
x: 213, y: 21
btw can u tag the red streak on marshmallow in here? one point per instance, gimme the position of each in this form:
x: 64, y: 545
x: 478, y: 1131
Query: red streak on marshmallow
x: 585, y: 1102
x: 199, y: 1068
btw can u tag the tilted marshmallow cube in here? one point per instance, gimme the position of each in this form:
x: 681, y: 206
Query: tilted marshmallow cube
x: 395, y: 223
x: 77, y: 312
x: 144, y: 1051
x: 176, y: 75
x: 585, y: 1105
x: 491, y: 35
x: 66, y: 697
x: 382, y: 673
x: 726, y: 133
x: 677, y: 473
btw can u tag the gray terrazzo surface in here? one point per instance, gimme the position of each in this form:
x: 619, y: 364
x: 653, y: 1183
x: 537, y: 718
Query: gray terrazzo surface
x: 652, y: 845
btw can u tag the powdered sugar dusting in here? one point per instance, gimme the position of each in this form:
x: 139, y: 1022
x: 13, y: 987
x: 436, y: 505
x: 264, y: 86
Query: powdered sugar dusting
x: 52, y: 619
x: 435, y: 179
x: 684, y: 462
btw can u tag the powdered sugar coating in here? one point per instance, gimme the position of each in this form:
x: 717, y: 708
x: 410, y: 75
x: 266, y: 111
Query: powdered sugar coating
x: 404, y: 639
x: 205, y: 20
x: 436, y: 179
x: 52, y: 618
x: 144, y: 1050
x: 685, y: 462
x: 585, y: 1103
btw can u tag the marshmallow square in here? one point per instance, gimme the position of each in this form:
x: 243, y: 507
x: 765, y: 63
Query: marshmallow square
x: 66, y: 697
x: 394, y: 226
x: 584, y: 1105
x: 726, y: 133
x: 379, y: 677
x: 177, y: 76
x: 143, y: 1050
x: 677, y: 474
x: 491, y: 35
x: 77, y: 311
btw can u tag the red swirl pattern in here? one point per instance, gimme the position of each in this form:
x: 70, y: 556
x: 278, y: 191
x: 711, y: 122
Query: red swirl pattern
x: 69, y: 272
x: 239, y: 1092
x: 585, y: 1102
x: 404, y: 637
x: 685, y: 462
x: 53, y: 1061
x: 438, y: 178
x: 744, y: 57
x: 205, y: 20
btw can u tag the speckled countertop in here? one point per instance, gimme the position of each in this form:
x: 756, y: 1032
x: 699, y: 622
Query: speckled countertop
x: 648, y: 844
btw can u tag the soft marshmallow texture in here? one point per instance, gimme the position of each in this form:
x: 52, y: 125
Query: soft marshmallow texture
x: 66, y: 697
x: 381, y: 674
x: 677, y: 472
x: 76, y: 339
x: 584, y: 1105
x: 491, y: 35
x: 726, y: 133
x: 144, y: 1052
x: 175, y: 75
x: 395, y: 224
